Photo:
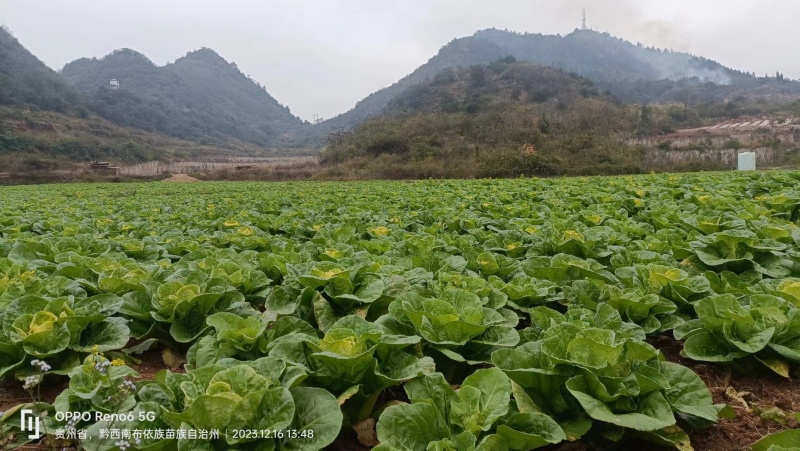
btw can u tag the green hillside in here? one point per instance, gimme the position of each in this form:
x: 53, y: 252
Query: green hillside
x: 31, y: 137
x: 490, y: 92
x: 200, y: 96
x: 632, y: 73
x: 502, y: 119
x: 24, y: 80
x: 46, y: 123
x: 491, y: 87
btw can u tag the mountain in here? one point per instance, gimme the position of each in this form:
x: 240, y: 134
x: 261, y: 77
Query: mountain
x: 485, y: 88
x: 632, y: 73
x: 200, y: 96
x: 506, y: 118
x: 638, y: 74
x: 459, y: 52
x: 24, y: 80
x: 46, y: 123
x: 606, y: 59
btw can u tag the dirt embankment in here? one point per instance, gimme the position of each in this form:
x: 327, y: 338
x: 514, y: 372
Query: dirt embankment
x: 181, y: 178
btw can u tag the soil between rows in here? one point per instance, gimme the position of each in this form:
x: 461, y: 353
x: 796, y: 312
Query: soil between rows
x: 758, y: 391
x: 737, y: 434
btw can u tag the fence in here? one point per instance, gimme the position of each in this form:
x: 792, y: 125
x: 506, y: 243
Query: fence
x: 152, y: 168
x: 765, y: 156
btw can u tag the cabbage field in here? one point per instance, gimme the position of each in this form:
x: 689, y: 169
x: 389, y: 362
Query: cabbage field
x: 432, y: 315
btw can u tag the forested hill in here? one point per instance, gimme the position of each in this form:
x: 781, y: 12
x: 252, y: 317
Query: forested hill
x: 25, y: 80
x: 605, y: 59
x: 481, y: 89
x: 199, y: 96
x: 459, y: 52
x: 46, y: 123
x: 477, y: 119
x: 631, y: 72
x: 202, y: 97
x: 638, y: 74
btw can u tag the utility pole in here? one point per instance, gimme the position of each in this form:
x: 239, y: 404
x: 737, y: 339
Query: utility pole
x: 583, y: 26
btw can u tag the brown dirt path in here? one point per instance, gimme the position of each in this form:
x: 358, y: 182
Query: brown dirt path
x: 181, y: 178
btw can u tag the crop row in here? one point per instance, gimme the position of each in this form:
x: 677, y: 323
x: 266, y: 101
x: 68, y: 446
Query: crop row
x: 484, y: 315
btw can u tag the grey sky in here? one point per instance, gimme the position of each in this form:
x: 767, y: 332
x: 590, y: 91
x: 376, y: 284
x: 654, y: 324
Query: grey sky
x: 322, y: 56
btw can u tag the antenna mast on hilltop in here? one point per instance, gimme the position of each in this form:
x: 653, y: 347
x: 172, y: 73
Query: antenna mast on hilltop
x: 583, y: 25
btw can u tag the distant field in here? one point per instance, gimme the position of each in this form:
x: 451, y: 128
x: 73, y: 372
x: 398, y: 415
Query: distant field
x: 484, y: 314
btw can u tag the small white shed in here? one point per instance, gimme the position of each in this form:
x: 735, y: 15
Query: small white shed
x: 747, y: 161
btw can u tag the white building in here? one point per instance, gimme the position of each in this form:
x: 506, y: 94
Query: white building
x: 746, y: 161
x: 114, y: 84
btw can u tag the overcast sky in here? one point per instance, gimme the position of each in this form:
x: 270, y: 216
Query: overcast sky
x: 322, y: 56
